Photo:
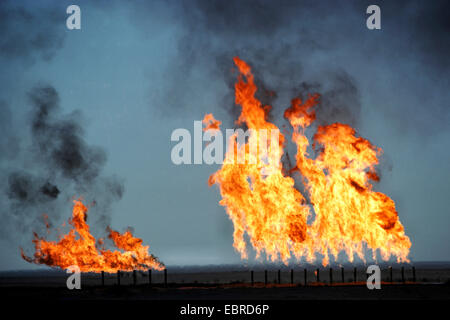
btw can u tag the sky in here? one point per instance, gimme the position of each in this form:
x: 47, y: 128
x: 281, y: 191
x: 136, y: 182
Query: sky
x: 89, y: 113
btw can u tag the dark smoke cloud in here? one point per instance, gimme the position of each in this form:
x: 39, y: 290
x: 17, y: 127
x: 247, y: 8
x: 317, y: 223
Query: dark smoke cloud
x: 432, y: 29
x: 260, y: 32
x: 30, y: 34
x: 59, y: 142
x: 58, y: 165
x: 339, y: 98
x: 289, y: 43
x: 50, y: 190
x: 8, y: 141
x: 421, y: 30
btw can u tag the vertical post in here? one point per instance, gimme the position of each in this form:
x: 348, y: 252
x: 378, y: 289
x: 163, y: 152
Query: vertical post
x: 403, y: 274
x: 103, y: 278
x: 342, y: 274
x: 414, y: 273
x: 118, y: 277
x: 134, y: 277
x: 265, y: 277
x: 251, y: 277
x: 279, y: 276
x: 317, y: 275
x: 292, y: 276
x: 150, y: 277
x: 305, y: 275
x: 331, y: 276
x: 354, y: 274
x: 165, y: 277
x: 390, y: 274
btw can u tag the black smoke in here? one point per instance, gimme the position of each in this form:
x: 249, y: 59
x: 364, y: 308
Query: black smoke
x: 261, y: 33
x: 57, y: 165
x: 28, y: 34
x: 339, y: 98
x: 58, y: 140
x: 9, y: 143
x: 326, y: 45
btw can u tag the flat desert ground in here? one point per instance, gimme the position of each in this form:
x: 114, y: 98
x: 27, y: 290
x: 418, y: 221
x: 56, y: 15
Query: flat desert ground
x: 432, y: 282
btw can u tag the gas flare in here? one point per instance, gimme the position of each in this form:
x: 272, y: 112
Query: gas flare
x: 348, y: 215
x: 80, y: 248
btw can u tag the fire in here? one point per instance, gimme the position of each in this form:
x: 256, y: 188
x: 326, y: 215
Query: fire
x: 80, y: 248
x: 211, y: 123
x: 349, y: 216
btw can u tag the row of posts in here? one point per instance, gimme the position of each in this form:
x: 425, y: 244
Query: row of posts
x: 135, y: 277
x: 252, y: 279
x: 317, y: 274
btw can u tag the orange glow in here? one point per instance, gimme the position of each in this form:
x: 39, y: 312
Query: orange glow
x: 348, y: 215
x: 80, y: 248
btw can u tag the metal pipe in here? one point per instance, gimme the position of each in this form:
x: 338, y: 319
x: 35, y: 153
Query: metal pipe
x: 150, y: 277
x: 306, y: 277
x: 342, y: 274
x: 317, y: 275
x: 292, y: 276
x: 279, y: 276
x: 390, y: 274
x: 251, y: 277
x: 354, y: 274
x: 165, y: 277
x: 331, y: 276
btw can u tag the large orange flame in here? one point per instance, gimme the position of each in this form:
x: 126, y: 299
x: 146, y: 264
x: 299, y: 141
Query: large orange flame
x: 349, y: 216
x: 80, y: 248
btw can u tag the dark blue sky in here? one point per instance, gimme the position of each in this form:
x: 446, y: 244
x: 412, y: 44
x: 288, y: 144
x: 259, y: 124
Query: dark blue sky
x: 138, y: 70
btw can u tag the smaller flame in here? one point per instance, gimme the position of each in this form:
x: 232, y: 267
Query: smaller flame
x: 80, y: 248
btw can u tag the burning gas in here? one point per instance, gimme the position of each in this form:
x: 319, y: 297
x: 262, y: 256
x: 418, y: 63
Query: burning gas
x: 348, y: 215
x: 80, y: 248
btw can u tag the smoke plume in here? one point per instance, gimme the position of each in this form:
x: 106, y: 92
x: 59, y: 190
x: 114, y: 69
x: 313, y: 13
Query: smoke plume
x: 57, y: 165
x: 30, y: 34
